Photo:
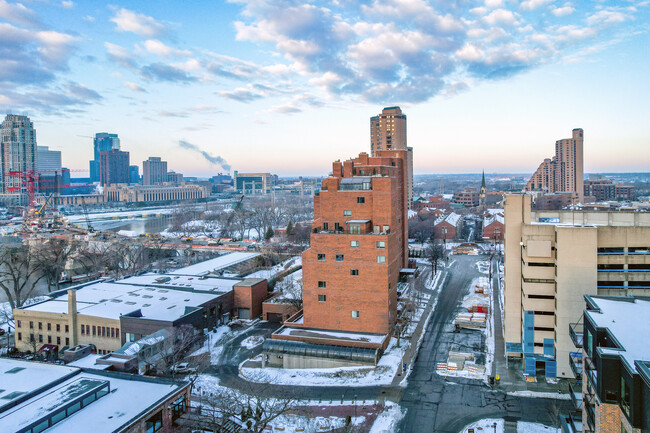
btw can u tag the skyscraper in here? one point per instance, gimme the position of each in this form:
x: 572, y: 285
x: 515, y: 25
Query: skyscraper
x: 103, y: 141
x: 388, y: 132
x: 17, y: 149
x: 114, y: 167
x: 565, y: 171
x: 48, y: 160
x: 154, y: 170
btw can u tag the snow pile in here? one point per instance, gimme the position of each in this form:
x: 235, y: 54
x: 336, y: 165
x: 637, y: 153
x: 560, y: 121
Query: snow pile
x: 252, y: 341
x: 488, y: 426
x: 483, y: 267
x: 534, y: 394
x: 387, y: 421
x: 382, y: 374
x: 291, y: 422
x: 213, y: 343
x: 531, y: 427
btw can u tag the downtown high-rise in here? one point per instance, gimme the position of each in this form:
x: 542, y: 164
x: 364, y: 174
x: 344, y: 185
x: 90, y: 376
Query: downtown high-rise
x: 102, y: 142
x: 388, y: 132
x: 18, y: 150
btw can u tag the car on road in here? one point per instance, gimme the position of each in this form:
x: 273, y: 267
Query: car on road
x: 183, y: 368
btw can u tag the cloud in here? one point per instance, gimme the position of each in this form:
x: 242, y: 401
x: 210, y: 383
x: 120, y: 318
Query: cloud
x: 241, y: 95
x: 158, y: 48
x: 530, y: 5
x: 89, y: 19
x: 143, y: 25
x: 216, y: 160
x: 164, y: 72
x: 120, y: 55
x: 563, y: 11
x: 67, y: 4
x: 134, y: 87
x: 70, y: 98
x: 501, y: 17
x: 19, y: 14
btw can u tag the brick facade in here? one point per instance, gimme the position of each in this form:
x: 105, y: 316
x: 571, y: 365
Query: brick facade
x: 358, y: 245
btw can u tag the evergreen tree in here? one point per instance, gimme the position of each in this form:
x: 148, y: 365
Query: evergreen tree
x: 269, y: 233
x: 289, y: 228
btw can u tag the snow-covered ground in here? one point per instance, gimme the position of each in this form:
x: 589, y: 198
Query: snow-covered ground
x: 483, y: 267
x: 535, y: 394
x: 277, y: 269
x: 382, y: 374
x: 252, y: 341
x: 291, y: 423
x: 387, y: 421
x: 214, y: 342
x: 491, y: 425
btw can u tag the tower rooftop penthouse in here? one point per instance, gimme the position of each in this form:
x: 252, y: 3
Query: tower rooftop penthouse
x: 358, y: 247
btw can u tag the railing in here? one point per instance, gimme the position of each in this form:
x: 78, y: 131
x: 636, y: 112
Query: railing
x: 571, y: 423
x: 575, y: 362
x: 591, y: 423
x: 576, y: 397
x: 576, y: 334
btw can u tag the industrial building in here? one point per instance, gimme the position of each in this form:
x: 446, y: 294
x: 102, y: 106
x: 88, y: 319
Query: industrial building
x: 553, y: 259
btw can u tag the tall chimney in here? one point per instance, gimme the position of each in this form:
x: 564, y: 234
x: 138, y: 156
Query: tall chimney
x: 72, y: 316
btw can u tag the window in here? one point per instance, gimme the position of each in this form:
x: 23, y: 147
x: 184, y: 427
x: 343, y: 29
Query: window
x: 321, y: 257
x: 326, y: 226
x: 354, y: 244
x: 339, y: 257
x: 361, y: 200
x: 130, y: 337
x: 112, y: 332
x: 40, y: 326
x: 40, y: 338
x: 347, y: 213
x: 58, y: 340
x: 355, y: 314
x: 31, y: 325
x: 337, y: 227
x: 322, y: 284
x: 381, y: 259
x: 354, y: 272
x: 20, y: 336
x: 386, y: 229
x: 67, y: 328
x: 381, y: 244
x: 83, y: 329
x: 625, y: 397
x: 67, y: 341
x: 49, y: 339
x: 88, y: 329
x: 94, y: 330
x: 31, y: 337
x: 19, y: 323
x: 103, y: 331
x: 58, y: 327
x: 49, y: 326
x: 322, y: 298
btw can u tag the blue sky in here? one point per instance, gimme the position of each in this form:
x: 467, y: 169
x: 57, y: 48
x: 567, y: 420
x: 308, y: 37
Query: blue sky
x: 288, y: 86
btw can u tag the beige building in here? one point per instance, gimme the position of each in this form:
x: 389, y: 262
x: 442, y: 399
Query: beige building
x: 388, y: 132
x: 565, y: 171
x: 553, y: 259
x: 148, y: 193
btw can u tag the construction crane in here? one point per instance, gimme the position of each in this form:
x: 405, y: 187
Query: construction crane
x: 83, y: 206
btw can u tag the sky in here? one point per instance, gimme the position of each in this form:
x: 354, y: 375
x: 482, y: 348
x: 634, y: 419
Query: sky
x: 288, y: 86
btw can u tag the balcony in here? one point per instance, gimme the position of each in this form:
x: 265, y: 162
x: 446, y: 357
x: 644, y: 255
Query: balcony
x: 571, y: 423
x: 576, y: 333
x: 591, y: 418
x: 576, y: 397
x: 575, y: 362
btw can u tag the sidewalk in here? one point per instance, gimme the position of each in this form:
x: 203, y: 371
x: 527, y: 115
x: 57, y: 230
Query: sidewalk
x: 416, y: 339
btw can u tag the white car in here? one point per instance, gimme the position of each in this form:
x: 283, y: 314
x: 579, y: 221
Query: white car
x: 183, y: 368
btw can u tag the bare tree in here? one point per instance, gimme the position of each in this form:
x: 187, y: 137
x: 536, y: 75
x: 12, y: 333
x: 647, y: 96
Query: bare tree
x: 421, y: 230
x: 19, y: 274
x: 434, y: 253
x: 291, y: 290
x: 182, y: 340
x: 52, y: 256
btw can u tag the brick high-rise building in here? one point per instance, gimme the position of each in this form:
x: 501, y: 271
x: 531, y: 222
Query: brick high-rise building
x: 103, y: 141
x: 565, y: 172
x: 358, y: 246
x: 388, y: 132
x: 154, y: 170
x: 114, y: 167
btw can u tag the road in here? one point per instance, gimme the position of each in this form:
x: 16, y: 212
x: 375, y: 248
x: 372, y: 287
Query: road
x: 433, y: 403
x: 436, y: 404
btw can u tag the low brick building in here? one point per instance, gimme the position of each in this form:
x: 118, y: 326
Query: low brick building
x: 493, y: 227
x: 447, y: 227
x: 249, y: 295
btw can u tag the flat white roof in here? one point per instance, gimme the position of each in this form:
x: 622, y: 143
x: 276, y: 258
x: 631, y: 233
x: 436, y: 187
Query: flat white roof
x: 215, y: 264
x: 126, y: 401
x: 111, y: 300
x: 209, y: 284
x: 332, y: 335
x: 88, y: 361
x: 626, y: 320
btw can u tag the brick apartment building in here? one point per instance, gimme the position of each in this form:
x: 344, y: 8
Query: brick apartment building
x: 358, y: 247
x: 446, y: 227
x: 493, y: 227
x: 469, y: 197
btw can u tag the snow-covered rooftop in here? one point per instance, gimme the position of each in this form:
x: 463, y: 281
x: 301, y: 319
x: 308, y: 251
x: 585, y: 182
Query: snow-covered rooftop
x: 209, y: 284
x: 89, y: 361
x: 126, y: 401
x: 112, y: 300
x: 215, y: 264
x: 492, y: 218
x: 625, y: 318
x: 452, y: 218
x: 332, y: 335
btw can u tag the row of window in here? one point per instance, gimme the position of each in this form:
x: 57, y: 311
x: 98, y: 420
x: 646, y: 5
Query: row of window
x: 50, y: 340
x: 340, y: 257
x: 57, y: 326
x: 100, y: 331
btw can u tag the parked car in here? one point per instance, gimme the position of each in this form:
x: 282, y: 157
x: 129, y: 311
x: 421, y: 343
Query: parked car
x: 183, y: 368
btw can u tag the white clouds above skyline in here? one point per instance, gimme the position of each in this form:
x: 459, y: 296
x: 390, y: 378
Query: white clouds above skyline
x: 288, y: 57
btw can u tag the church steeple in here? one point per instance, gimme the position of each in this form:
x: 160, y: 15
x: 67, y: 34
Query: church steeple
x: 483, y: 188
x: 483, y: 192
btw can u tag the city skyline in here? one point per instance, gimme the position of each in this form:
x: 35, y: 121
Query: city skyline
x: 511, y: 77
